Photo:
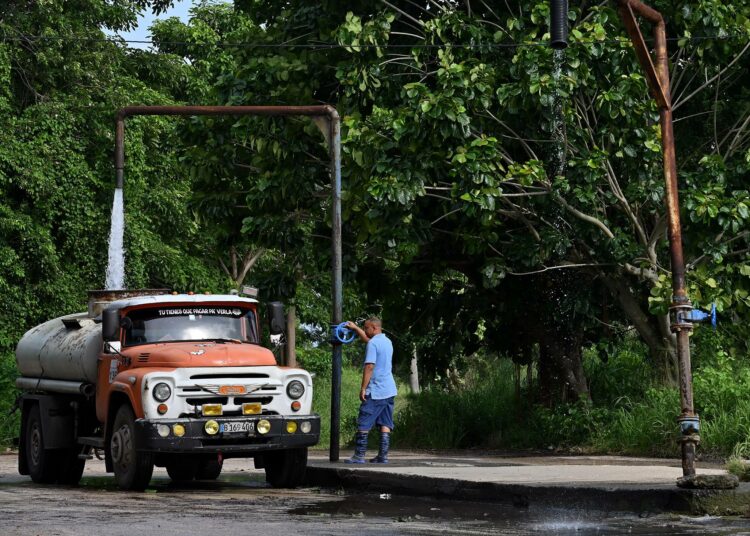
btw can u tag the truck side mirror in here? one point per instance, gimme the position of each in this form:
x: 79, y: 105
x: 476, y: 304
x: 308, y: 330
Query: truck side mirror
x: 111, y: 325
x: 276, y: 320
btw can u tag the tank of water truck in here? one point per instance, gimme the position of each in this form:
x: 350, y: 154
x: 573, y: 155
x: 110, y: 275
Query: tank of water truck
x: 68, y: 347
x: 65, y: 348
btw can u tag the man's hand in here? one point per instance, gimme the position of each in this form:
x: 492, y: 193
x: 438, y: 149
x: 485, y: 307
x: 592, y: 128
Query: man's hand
x: 358, y: 330
x: 362, y: 394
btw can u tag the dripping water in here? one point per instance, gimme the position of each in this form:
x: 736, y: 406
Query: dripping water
x: 558, y: 120
x: 116, y: 263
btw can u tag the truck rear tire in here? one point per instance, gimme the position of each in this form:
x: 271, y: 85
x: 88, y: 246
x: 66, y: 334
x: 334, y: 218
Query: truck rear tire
x: 182, y: 468
x: 285, y: 468
x: 133, y: 468
x: 209, y: 469
x: 43, y: 464
x: 71, y: 469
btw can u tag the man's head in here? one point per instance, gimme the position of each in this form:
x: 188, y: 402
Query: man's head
x: 373, y: 326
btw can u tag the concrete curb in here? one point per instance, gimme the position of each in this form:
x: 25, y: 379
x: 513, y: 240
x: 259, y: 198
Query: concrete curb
x: 639, y: 499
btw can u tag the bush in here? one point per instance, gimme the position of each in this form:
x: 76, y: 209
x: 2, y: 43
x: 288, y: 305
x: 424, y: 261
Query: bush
x: 9, y: 424
x: 315, y: 360
x: 618, y: 373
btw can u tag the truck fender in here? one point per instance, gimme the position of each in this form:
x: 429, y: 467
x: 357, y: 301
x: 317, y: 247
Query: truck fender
x: 58, y: 422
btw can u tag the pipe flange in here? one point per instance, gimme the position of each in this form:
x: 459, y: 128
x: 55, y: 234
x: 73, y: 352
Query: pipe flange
x: 691, y: 438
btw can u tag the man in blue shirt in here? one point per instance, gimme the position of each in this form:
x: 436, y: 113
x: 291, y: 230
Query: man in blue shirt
x: 378, y: 391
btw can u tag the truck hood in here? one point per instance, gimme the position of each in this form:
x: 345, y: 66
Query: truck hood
x: 200, y: 354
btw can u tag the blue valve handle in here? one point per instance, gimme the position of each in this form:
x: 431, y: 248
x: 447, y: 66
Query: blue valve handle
x: 696, y: 315
x: 343, y: 334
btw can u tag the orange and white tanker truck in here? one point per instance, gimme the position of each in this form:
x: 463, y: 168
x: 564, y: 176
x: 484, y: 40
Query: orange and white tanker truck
x: 148, y: 378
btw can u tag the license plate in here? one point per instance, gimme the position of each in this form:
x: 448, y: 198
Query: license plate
x: 237, y: 427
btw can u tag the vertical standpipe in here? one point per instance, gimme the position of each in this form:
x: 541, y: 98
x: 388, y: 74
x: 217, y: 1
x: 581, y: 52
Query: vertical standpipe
x: 558, y: 24
x: 328, y: 121
x: 657, y: 74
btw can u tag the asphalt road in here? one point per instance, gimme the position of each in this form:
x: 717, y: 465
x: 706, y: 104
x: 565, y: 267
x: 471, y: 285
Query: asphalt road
x: 240, y: 503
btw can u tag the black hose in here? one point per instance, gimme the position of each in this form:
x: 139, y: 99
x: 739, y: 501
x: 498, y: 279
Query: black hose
x: 559, y: 24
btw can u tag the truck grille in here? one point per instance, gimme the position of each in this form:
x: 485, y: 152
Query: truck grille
x: 208, y: 400
x: 227, y: 378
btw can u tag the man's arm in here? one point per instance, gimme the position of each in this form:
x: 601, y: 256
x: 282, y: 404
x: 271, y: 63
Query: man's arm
x: 366, y: 375
x: 358, y: 330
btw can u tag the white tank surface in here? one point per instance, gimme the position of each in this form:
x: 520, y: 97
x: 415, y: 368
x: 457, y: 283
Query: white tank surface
x: 65, y: 348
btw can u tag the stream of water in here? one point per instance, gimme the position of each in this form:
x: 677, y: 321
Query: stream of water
x: 116, y: 263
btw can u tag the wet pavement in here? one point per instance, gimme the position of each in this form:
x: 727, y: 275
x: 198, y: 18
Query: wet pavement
x: 240, y: 503
x: 602, y: 484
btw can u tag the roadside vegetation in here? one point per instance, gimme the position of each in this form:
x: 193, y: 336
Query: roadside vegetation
x: 502, y: 204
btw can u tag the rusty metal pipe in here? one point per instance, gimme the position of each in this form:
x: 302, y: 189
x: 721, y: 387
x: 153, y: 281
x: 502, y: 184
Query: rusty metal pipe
x: 657, y: 74
x: 331, y: 129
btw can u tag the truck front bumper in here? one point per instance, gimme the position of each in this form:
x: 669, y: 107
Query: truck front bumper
x: 152, y: 435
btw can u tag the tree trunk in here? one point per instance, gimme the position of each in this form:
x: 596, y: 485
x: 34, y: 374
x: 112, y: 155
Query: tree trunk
x: 530, y: 382
x: 291, y: 336
x: 569, y: 359
x: 414, y: 373
x: 662, y: 349
x: 671, y: 365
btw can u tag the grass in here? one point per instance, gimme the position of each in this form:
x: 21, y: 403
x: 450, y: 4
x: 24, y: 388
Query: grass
x: 631, y: 413
x: 739, y: 467
x: 351, y: 379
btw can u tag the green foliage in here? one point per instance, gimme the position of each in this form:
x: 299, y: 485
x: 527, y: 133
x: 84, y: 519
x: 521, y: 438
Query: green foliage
x: 618, y: 372
x: 316, y: 360
x: 448, y: 161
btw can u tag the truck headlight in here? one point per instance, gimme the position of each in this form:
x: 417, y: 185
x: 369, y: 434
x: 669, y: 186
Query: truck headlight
x: 295, y: 389
x: 161, y: 392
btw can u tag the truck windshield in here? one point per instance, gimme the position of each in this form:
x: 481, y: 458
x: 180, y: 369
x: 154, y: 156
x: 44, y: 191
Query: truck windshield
x: 209, y: 323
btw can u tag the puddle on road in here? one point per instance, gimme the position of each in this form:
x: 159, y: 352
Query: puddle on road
x: 505, y: 519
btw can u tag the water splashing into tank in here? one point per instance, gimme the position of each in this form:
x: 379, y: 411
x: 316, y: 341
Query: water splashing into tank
x: 116, y: 264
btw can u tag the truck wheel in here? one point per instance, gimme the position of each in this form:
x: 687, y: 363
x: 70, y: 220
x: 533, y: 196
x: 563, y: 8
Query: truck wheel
x: 286, y: 468
x: 181, y: 468
x: 71, y: 469
x: 43, y: 464
x: 209, y: 469
x: 133, y: 468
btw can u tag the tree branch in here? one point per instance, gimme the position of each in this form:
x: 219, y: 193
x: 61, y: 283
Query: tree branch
x: 585, y: 217
x: 710, y: 81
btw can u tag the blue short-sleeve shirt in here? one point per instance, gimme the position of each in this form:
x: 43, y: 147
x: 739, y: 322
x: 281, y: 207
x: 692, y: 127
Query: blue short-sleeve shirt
x: 380, y: 352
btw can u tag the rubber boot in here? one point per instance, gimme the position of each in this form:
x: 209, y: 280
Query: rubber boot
x: 385, y: 444
x: 360, y: 448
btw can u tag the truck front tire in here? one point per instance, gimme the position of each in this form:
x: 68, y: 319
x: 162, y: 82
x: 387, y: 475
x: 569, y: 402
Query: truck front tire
x: 133, y: 468
x: 285, y: 468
